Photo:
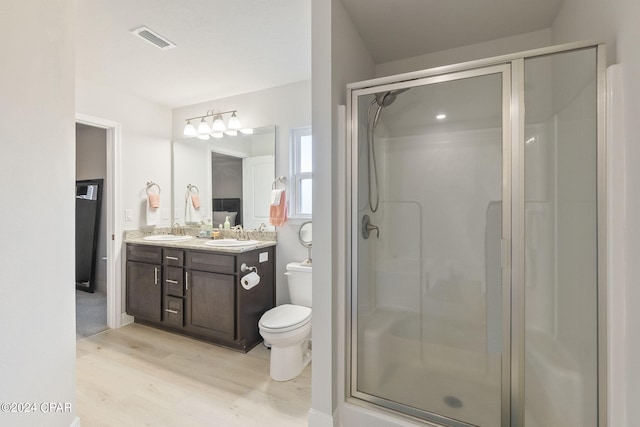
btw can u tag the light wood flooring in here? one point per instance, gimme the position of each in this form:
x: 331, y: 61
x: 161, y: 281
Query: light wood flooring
x: 141, y: 376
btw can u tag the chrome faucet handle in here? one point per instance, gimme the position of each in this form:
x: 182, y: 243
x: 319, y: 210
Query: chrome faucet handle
x: 241, y: 235
x: 368, y: 227
x: 177, y: 229
x: 261, y: 227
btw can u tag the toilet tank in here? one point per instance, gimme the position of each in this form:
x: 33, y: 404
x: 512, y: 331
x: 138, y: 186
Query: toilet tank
x: 299, y: 282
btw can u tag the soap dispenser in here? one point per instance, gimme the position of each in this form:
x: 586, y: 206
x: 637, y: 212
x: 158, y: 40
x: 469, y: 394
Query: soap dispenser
x: 227, y: 224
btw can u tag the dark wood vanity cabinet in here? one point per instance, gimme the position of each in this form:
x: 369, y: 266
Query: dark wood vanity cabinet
x: 199, y: 292
x: 144, y: 287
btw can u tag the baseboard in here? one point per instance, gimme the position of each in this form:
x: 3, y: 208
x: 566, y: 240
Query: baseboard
x: 321, y: 419
x: 125, y: 319
x: 75, y: 423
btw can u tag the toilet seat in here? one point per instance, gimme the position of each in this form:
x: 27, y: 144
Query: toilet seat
x: 284, y: 318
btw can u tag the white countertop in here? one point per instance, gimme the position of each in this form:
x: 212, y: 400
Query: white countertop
x: 198, y: 243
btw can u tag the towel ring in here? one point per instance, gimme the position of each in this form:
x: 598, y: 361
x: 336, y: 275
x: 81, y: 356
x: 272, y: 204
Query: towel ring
x: 190, y: 189
x: 150, y: 185
x: 280, y: 179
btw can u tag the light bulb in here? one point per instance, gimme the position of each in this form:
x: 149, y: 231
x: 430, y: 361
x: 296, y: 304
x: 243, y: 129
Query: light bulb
x: 217, y: 134
x: 189, y: 129
x: 203, y: 127
x: 246, y: 131
x: 234, y: 122
x: 218, y: 124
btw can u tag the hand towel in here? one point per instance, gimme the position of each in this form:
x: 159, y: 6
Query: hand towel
x: 278, y: 213
x: 154, y: 200
x: 276, y: 196
x: 195, y: 199
x: 191, y: 213
x: 153, y: 213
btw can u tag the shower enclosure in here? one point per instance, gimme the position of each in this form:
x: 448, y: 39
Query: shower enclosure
x: 477, y: 241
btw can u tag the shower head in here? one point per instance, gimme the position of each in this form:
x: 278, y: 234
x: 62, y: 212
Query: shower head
x: 384, y: 99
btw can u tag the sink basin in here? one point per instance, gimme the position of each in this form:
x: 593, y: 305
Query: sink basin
x: 231, y: 243
x: 168, y: 238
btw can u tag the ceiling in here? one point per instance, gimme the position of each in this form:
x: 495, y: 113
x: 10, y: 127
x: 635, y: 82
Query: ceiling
x: 399, y: 29
x: 223, y: 47
x: 227, y: 47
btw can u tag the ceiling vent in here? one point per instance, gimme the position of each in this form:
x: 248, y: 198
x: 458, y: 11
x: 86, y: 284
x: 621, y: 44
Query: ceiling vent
x: 152, y: 37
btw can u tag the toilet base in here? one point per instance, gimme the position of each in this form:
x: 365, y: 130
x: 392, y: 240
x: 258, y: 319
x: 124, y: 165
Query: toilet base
x: 286, y: 363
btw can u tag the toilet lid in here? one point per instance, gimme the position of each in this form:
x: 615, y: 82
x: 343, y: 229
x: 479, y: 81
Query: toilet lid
x: 285, y: 316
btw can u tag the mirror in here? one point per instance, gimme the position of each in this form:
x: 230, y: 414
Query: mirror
x: 231, y: 176
x: 306, y: 239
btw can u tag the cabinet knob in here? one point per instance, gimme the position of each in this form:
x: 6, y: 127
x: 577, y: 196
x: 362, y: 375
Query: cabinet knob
x: 171, y: 311
x: 172, y: 258
x: 173, y: 282
x: 155, y: 275
x: 187, y: 280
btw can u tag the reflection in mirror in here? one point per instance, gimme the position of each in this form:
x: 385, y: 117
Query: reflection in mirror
x: 306, y: 238
x: 233, y: 174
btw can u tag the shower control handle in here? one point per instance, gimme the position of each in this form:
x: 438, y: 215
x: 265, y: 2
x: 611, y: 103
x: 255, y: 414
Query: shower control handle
x: 368, y: 227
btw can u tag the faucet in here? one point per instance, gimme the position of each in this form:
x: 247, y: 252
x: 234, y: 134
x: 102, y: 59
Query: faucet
x: 241, y: 234
x: 176, y: 229
x: 261, y: 227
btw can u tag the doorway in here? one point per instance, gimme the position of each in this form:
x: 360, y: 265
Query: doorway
x: 476, y: 232
x: 110, y: 258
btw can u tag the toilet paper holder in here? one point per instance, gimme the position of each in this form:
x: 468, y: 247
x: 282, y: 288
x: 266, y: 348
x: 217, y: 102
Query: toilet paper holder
x: 244, y: 267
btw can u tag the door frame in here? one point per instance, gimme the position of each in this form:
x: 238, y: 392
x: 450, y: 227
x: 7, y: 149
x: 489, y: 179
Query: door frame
x: 508, y: 180
x: 114, y: 228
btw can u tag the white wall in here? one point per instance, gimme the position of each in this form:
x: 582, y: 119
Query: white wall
x: 287, y: 107
x: 146, y: 145
x: 339, y: 57
x: 482, y: 50
x: 91, y: 163
x: 37, y: 176
x: 616, y: 23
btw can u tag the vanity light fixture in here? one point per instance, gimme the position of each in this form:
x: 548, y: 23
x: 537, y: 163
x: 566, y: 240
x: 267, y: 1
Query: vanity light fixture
x: 218, y: 124
x: 189, y: 129
x: 217, y: 127
x: 234, y: 122
x: 203, y: 128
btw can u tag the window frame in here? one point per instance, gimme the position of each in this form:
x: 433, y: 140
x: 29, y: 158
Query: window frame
x: 295, y: 136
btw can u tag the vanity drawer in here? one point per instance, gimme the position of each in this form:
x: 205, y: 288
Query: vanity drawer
x: 173, y: 312
x: 174, y: 281
x: 173, y: 257
x: 214, y: 263
x: 143, y: 253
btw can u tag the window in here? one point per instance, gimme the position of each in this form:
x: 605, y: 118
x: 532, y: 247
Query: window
x: 301, y: 171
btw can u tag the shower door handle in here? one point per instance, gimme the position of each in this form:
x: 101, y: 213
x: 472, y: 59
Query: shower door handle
x: 367, y: 228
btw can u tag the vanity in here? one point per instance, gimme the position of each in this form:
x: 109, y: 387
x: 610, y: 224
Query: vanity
x: 193, y: 289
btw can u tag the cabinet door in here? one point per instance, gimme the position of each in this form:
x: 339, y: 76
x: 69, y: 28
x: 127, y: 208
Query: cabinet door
x: 210, y: 304
x: 144, y: 291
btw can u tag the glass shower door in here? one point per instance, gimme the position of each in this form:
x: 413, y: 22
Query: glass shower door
x: 430, y: 299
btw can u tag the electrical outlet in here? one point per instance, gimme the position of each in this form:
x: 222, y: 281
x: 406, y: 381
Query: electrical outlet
x: 263, y: 257
x: 128, y: 215
x: 165, y: 213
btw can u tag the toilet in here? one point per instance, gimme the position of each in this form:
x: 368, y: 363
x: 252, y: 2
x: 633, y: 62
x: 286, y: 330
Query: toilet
x: 287, y: 327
